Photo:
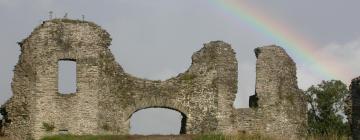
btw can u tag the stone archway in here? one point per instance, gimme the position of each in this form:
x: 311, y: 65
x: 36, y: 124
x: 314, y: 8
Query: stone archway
x: 183, y: 119
x: 107, y: 95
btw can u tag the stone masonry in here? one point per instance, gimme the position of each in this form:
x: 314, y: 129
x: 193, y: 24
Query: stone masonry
x: 353, y: 108
x: 106, y: 96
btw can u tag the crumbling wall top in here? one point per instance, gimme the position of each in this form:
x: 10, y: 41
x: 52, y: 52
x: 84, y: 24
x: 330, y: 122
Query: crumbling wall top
x: 56, y: 29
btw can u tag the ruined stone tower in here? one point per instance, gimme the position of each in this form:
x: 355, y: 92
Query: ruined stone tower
x: 353, y: 108
x: 106, y: 96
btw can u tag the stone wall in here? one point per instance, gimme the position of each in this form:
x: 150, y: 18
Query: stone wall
x: 278, y: 107
x: 106, y: 96
x: 354, y: 108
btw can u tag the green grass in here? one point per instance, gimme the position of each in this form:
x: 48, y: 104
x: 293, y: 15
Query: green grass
x: 330, y: 137
x: 194, y: 137
x: 85, y: 137
x: 232, y: 137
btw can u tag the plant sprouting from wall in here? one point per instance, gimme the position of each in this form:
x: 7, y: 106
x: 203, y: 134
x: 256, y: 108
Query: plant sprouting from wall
x: 48, y: 126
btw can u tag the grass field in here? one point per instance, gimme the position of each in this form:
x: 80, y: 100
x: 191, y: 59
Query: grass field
x: 159, y: 137
x: 180, y: 137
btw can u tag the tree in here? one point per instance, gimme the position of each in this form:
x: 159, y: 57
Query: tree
x: 326, y: 108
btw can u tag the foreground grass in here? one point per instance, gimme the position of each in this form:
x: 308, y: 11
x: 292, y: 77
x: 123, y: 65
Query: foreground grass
x: 331, y: 137
x: 86, y: 137
x: 193, y: 137
x: 232, y: 137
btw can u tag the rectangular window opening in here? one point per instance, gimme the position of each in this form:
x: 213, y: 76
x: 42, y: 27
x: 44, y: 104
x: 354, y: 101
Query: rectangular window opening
x: 67, y: 76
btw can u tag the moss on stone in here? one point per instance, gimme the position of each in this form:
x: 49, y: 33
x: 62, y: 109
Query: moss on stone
x: 48, y: 126
x: 105, y: 127
x: 290, y: 97
x: 188, y: 77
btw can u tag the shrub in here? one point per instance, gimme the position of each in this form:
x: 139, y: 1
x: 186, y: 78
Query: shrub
x: 48, y: 126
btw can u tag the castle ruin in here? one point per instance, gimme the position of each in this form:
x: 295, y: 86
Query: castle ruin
x: 106, y: 96
x: 353, y: 108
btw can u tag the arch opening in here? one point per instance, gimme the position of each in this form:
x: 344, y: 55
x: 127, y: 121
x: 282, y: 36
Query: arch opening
x: 158, y: 121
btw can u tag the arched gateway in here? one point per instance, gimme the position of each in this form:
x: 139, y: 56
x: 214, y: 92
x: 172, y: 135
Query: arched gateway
x: 106, y: 96
x: 182, y: 121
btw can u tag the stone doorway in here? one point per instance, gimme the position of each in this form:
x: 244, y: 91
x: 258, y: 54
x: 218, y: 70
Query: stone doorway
x: 158, y: 121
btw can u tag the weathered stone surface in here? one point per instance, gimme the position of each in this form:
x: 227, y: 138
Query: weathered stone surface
x: 106, y: 96
x: 353, y: 108
x: 278, y: 107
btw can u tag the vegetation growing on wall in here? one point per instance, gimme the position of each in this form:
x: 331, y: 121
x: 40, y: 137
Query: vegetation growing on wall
x: 188, y: 76
x: 48, y: 126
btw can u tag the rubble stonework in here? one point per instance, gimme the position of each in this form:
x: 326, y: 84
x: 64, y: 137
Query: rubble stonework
x: 106, y: 96
x: 353, y: 108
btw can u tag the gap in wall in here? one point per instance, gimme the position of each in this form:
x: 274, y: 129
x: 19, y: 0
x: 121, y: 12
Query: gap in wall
x: 156, y: 121
x: 67, y: 76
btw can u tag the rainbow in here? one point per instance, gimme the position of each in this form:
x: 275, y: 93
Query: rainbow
x: 302, y: 49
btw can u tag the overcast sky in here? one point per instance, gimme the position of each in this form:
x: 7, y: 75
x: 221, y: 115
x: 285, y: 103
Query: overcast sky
x: 155, y: 39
